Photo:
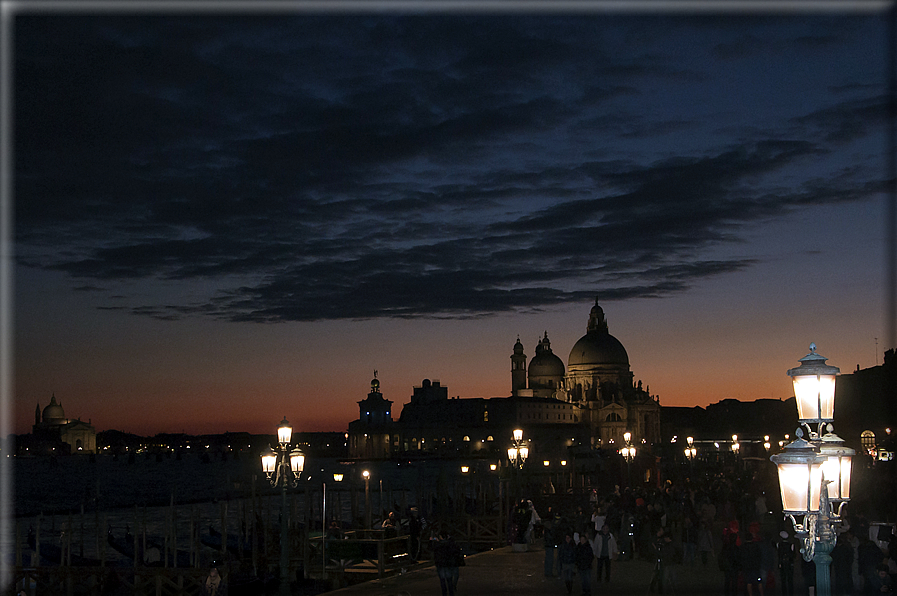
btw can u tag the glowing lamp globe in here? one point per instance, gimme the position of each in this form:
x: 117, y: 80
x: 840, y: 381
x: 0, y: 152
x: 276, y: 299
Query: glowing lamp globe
x: 284, y: 432
x: 512, y: 453
x: 269, y: 461
x: 524, y: 453
x: 837, y: 466
x: 297, y: 461
x: 800, y: 477
x: 814, y: 388
x: 518, y: 434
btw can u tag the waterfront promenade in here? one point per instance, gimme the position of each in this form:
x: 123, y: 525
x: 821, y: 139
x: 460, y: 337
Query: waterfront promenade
x: 502, y: 571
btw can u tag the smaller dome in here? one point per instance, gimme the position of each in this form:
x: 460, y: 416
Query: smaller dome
x: 545, y: 363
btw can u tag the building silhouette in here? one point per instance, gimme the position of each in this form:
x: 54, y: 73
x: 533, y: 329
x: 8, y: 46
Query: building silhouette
x: 374, y: 435
x: 590, y: 402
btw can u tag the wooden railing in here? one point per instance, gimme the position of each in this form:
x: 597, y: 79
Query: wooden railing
x: 365, y: 552
x: 480, y: 531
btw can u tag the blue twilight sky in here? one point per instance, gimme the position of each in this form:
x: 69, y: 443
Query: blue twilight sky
x: 227, y: 216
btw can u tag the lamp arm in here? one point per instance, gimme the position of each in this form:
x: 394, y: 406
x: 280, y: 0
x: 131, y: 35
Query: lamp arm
x: 808, y: 541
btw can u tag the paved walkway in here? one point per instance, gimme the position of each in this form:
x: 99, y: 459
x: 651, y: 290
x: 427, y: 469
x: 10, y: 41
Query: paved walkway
x: 502, y: 571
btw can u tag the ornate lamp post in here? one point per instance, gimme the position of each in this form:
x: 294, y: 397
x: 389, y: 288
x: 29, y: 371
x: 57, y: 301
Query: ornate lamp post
x: 367, y: 499
x: 283, y: 467
x: 690, y: 451
x: 628, y: 453
x: 517, y: 454
x: 807, y: 468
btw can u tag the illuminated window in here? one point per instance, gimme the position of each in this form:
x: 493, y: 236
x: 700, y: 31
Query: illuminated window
x: 466, y: 438
x: 867, y: 437
x: 489, y: 438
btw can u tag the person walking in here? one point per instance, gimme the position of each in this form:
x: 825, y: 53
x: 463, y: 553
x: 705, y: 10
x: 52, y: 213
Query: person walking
x: 567, y: 561
x: 689, y: 540
x: 584, y: 556
x: 729, y: 559
x: 447, y: 556
x: 415, y: 529
x: 550, y: 537
x: 786, y: 552
x: 663, y: 551
x: 751, y: 559
x: 604, y: 547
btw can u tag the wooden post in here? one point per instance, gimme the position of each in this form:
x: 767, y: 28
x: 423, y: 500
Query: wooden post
x: 143, y: 532
x: 194, y: 552
x: 103, y: 547
x: 136, y: 533
x: 241, y: 534
x: 68, y: 541
x: 96, y: 523
x: 174, y: 532
x: 37, y: 539
x: 223, y: 529
x: 381, y: 562
x: 81, y: 533
x: 255, y: 529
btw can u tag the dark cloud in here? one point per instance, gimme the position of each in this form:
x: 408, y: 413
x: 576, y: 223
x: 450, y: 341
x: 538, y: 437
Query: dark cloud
x: 323, y: 167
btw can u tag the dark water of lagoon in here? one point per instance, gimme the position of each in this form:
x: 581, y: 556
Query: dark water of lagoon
x: 90, y: 495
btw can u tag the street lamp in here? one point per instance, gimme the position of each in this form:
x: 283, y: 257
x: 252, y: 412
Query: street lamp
x: 518, y: 452
x: 367, y: 498
x: 283, y: 467
x: 628, y: 453
x: 807, y: 468
x: 690, y: 451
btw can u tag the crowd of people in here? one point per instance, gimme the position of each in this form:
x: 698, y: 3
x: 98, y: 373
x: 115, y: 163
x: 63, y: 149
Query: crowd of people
x: 722, y: 521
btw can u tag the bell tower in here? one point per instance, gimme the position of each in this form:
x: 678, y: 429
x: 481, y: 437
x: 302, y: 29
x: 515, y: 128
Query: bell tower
x: 518, y: 368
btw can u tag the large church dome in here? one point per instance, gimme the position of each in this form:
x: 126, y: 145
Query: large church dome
x: 597, y: 346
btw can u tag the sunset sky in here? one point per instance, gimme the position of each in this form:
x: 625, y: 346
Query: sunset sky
x: 225, y: 217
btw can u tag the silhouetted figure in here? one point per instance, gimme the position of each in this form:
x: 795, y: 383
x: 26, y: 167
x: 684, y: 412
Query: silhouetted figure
x: 214, y: 584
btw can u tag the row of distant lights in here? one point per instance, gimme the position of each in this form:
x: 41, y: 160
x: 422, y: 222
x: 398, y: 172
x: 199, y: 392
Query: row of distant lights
x: 494, y: 467
x: 734, y: 446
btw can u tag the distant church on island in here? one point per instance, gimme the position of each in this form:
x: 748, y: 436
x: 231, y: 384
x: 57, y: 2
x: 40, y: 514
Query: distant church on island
x: 590, y: 402
x: 54, y: 433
